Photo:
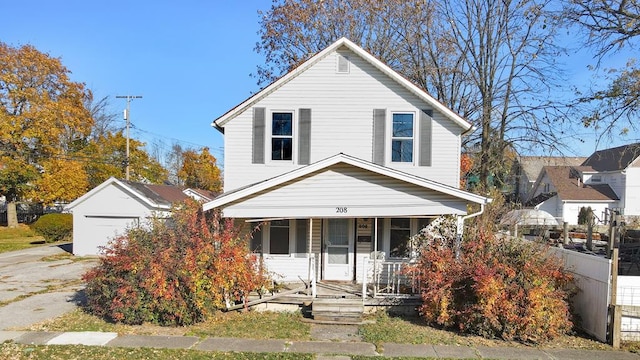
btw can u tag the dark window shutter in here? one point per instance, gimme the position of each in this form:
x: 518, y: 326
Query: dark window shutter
x: 304, y: 137
x: 379, y: 120
x: 425, y: 137
x: 302, y: 236
x: 258, y: 135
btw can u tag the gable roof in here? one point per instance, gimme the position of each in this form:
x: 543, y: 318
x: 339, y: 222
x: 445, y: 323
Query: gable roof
x: 220, y: 122
x: 532, y: 165
x: 156, y: 196
x: 614, y: 159
x: 565, y: 179
x: 248, y: 190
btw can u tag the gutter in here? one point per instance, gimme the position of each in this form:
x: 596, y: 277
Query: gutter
x: 474, y: 214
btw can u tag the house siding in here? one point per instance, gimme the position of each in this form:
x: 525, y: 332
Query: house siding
x: 632, y: 191
x: 326, y: 192
x: 342, y: 122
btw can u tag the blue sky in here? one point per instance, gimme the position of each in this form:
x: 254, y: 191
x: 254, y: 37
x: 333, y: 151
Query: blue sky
x: 190, y: 60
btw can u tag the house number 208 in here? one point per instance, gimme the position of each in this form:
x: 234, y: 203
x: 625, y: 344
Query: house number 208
x: 341, y: 210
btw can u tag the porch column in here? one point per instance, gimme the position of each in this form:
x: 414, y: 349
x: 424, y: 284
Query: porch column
x: 459, y: 233
x: 375, y: 257
x: 311, y: 271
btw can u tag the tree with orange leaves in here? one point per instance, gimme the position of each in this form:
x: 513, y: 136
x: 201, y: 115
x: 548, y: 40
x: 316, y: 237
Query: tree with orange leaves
x: 200, y: 170
x: 41, y: 116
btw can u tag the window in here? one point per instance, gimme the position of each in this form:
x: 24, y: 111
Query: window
x: 596, y: 178
x: 281, y: 136
x: 256, y: 240
x: 342, y: 66
x: 279, y: 237
x: 402, y: 138
x: 399, y: 237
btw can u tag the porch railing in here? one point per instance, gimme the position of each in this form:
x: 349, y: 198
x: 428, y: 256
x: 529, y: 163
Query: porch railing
x: 389, y: 278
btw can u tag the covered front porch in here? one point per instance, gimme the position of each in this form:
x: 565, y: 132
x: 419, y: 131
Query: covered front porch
x: 343, y: 222
x: 339, y: 252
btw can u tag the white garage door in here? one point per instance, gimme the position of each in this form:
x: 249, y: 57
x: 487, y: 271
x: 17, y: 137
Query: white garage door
x: 97, y: 231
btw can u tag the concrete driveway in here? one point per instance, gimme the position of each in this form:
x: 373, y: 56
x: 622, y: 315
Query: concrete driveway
x: 38, y: 284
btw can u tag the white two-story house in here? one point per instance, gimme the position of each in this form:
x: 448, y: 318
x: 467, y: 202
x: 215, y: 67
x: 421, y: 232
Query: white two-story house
x: 340, y: 159
x: 608, y: 180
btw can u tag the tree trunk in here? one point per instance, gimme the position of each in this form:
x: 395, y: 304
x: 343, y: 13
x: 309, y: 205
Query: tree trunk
x: 12, y: 215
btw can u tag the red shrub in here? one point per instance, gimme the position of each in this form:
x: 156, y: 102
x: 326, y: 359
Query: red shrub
x: 510, y: 289
x: 176, y: 272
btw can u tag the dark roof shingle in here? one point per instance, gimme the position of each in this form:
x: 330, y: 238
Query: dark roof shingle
x: 618, y: 158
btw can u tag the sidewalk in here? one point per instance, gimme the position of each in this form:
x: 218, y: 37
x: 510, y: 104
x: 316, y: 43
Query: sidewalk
x: 323, y: 348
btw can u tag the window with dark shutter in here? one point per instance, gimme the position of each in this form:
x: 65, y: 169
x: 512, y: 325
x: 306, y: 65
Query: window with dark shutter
x: 304, y: 137
x: 425, y: 137
x: 302, y: 236
x: 379, y: 119
x: 258, y: 136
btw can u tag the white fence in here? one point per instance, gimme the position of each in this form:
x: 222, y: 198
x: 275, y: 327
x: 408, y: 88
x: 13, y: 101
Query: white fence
x: 629, y: 294
x: 592, y: 275
x: 287, y: 268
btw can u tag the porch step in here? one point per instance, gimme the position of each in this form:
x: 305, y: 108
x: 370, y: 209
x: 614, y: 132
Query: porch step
x: 337, y: 310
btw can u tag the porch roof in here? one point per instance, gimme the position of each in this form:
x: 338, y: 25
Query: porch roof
x: 344, y: 186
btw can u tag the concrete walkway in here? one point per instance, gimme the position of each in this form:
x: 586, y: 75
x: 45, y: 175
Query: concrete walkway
x: 321, y: 348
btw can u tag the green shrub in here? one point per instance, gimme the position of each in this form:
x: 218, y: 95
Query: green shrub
x: 54, y: 227
x: 174, y: 272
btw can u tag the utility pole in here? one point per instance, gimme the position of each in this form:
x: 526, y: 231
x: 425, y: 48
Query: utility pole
x: 126, y: 118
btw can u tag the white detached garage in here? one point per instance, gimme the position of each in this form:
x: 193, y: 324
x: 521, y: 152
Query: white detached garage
x: 113, y: 206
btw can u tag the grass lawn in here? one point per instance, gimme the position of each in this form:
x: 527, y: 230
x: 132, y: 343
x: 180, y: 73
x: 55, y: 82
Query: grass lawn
x: 16, y: 351
x: 289, y: 326
x: 18, y: 238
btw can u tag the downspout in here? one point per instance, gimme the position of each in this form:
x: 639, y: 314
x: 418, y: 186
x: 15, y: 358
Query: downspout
x: 460, y: 228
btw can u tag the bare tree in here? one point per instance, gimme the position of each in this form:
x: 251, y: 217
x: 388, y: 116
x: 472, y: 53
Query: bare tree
x: 609, y: 26
x: 491, y: 61
x: 104, y: 119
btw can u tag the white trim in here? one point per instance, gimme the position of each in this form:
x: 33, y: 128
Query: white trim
x: 222, y: 120
x: 389, y: 139
x: 350, y: 160
x: 269, y: 143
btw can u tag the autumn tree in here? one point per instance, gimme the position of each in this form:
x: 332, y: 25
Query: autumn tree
x: 609, y: 27
x: 106, y: 156
x: 491, y: 61
x: 199, y: 170
x: 41, y: 115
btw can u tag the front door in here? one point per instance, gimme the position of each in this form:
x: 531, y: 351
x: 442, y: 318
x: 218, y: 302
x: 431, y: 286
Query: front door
x: 338, y: 249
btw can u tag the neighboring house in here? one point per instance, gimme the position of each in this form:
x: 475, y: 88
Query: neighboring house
x: 111, y: 207
x: 561, y: 192
x: 338, y: 159
x: 529, y: 167
x: 608, y: 179
x: 618, y: 167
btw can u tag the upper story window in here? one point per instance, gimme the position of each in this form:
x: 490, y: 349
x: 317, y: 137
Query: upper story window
x: 596, y: 178
x: 281, y: 136
x: 402, y: 137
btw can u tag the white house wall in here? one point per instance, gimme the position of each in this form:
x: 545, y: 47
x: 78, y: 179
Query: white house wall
x: 345, y: 191
x: 572, y: 209
x: 341, y: 121
x: 632, y: 193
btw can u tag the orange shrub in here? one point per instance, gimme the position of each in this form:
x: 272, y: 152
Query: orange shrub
x: 176, y: 272
x: 496, y: 288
